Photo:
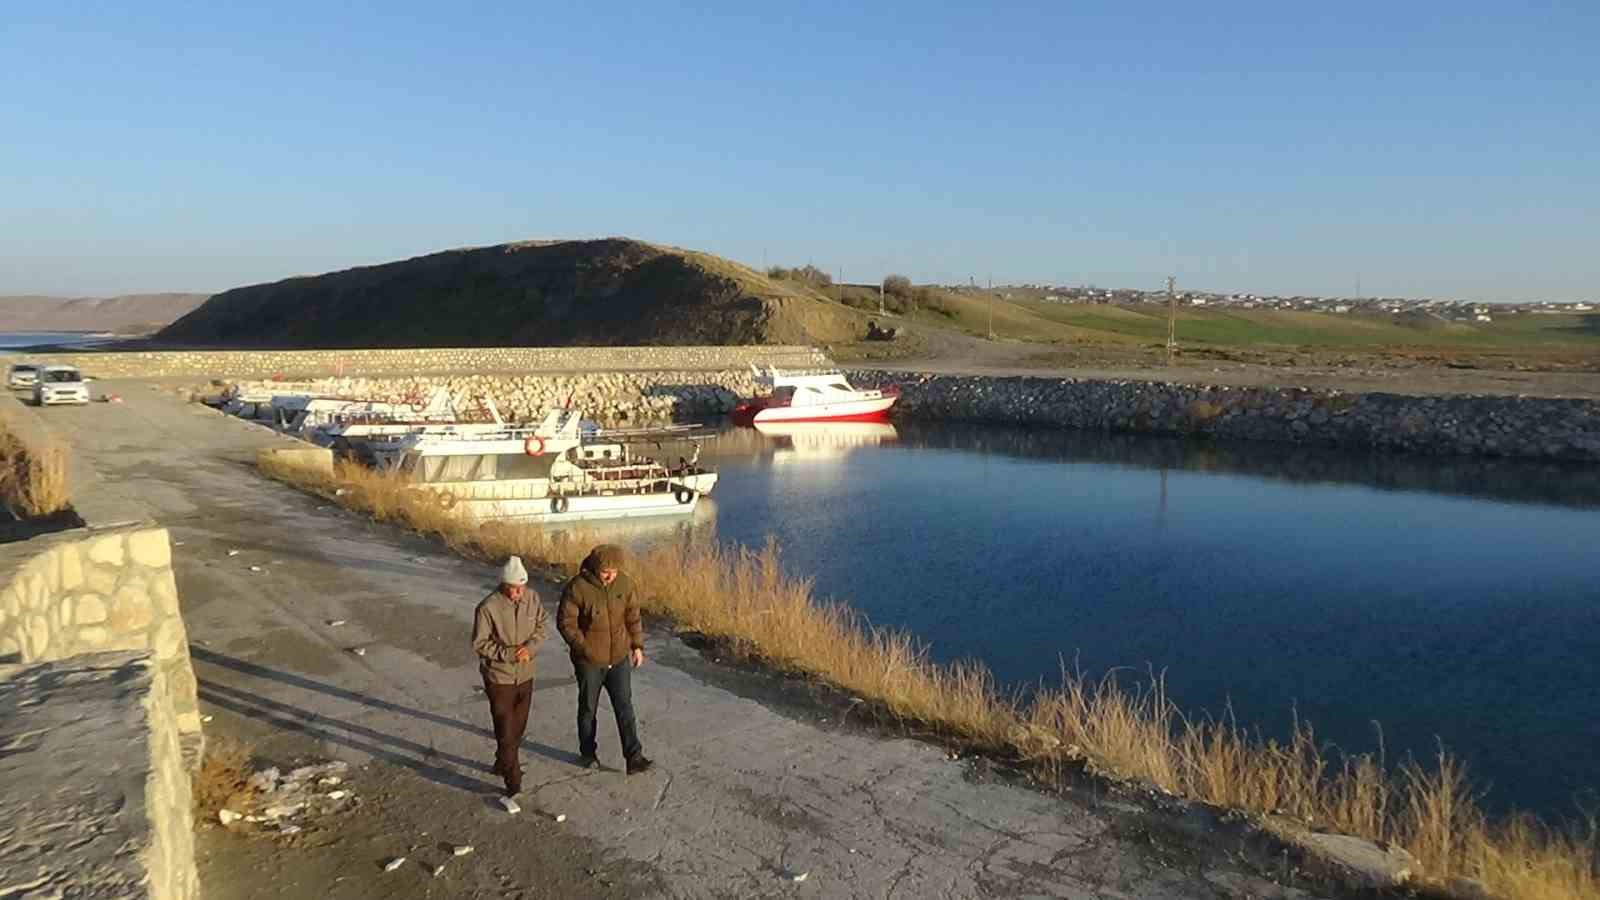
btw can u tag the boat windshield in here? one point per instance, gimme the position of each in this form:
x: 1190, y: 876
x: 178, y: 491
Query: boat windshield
x: 481, y: 467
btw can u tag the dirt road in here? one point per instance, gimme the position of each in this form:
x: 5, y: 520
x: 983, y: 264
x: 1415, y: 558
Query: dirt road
x: 758, y: 792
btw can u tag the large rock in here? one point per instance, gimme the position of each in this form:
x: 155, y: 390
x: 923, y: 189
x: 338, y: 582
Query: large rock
x: 1358, y: 861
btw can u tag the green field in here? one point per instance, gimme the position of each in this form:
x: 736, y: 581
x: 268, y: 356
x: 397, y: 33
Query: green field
x: 1293, y: 328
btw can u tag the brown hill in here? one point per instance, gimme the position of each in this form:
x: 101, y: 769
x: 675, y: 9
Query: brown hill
x: 535, y: 293
x: 126, y: 313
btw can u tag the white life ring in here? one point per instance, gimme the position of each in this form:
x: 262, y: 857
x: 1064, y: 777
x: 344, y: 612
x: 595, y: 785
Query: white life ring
x: 533, y: 446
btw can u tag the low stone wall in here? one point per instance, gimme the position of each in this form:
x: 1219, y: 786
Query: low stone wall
x: 86, y: 813
x: 439, y: 360
x: 1527, y: 427
x: 84, y: 591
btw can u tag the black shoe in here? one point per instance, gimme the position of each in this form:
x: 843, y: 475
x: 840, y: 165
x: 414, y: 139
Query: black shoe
x: 639, y: 764
x: 588, y: 762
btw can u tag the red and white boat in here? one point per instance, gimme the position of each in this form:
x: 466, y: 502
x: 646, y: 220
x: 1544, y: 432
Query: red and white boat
x: 814, y: 397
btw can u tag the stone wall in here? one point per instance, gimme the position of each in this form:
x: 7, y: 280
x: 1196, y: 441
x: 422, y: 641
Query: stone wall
x: 317, y: 363
x: 76, y: 784
x: 87, y: 591
x: 1526, y: 427
x: 609, y: 397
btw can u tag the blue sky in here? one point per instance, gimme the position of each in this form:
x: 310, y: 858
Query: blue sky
x: 1438, y: 149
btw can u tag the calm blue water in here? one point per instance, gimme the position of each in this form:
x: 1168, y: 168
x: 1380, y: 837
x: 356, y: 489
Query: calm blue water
x: 1450, y: 600
x: 13, y: 340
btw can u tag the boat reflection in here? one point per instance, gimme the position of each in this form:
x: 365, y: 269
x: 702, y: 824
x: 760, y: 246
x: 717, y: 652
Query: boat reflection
x: 825, y: 440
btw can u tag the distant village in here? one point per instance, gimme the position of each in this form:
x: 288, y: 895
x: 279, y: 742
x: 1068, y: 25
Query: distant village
x: 1449, y: 310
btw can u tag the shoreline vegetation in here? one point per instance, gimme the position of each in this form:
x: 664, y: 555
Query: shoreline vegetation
x: 33, y: 476
x: 743, y: 597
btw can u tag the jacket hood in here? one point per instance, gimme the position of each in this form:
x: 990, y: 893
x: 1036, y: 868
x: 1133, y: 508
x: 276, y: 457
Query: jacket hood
x: 605, y: 556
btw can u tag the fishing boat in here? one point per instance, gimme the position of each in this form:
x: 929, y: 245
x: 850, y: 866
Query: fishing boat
x: 562, y: 470
x: 812, y: 397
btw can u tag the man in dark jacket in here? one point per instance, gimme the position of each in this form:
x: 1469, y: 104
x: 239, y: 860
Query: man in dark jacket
x: 506, y: 632
x: 598, y: 617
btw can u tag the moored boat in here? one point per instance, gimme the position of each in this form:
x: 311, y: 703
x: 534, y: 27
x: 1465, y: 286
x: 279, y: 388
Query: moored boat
x: 812, y: 397
x: 559, y: 471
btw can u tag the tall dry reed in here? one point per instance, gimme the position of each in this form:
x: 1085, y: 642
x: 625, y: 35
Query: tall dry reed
x: 33, y: 476
x: 745, y: 598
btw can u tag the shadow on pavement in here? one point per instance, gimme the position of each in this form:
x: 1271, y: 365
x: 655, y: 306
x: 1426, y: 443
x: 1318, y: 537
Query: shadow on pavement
x: 425, y: 760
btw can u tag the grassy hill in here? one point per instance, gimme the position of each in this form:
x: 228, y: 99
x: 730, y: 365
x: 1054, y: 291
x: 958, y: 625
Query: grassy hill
x: 536, y: 293
x: 126, y: 313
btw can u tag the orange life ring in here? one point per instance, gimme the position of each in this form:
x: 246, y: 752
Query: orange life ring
x: 533, y: 446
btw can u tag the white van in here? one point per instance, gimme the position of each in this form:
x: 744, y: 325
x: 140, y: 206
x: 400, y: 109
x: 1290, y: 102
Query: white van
x: 60, y: 384
x: 23, y: 375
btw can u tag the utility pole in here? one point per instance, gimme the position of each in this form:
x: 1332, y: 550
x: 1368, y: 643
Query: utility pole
x: 1172, y: 319
x: 991, y: 307
x: 880, y: 296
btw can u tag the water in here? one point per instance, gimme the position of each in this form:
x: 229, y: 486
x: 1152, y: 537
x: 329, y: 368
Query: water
x: 1450, y: 600
x: 11, y: 341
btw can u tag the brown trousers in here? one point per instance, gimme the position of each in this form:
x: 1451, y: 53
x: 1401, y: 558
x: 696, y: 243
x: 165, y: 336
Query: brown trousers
x: 508, y: 707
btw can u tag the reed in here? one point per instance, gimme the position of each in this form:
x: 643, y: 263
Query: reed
x: 34, y: 479
x: 745, y: 598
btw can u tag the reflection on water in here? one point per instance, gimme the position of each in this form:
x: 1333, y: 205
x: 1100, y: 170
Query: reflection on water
x: 827, y: 440
x: 1449, y: 599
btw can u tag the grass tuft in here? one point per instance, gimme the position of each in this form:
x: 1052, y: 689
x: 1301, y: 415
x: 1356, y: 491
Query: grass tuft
x: 220, y: 783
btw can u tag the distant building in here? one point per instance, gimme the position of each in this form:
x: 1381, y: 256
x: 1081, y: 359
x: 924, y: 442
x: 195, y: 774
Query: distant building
x: 1483, y: 317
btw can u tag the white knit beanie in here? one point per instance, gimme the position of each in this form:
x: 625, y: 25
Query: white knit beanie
x: 513, y: 572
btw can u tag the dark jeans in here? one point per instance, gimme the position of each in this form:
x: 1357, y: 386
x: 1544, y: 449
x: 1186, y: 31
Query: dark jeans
x: 618, y: 682
x: 508, y: 707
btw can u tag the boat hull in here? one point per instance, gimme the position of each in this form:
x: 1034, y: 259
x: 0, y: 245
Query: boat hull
x: 581, y: 508
x: 873, y: 410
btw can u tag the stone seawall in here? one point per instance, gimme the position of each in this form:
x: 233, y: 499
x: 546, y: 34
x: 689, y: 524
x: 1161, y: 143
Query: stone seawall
x: 1522, y: 427
x: 95, y: 673
x: 320, y: 363
x: 608, y: 397
x: 1526, y: 427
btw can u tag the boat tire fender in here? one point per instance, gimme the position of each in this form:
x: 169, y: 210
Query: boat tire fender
x: 683, y: 495
x: 558, y: 504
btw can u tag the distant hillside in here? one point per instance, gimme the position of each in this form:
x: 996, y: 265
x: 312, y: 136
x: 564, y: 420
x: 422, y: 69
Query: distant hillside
x: 127, y: 313
x: 536, y: 293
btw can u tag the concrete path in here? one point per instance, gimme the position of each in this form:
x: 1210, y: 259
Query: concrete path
x: 750, y: 799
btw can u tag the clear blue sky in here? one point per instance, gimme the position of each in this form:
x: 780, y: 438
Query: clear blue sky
x: 1433, y: 148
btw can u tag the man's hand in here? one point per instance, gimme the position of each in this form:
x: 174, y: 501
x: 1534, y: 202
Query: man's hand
x: 523, y: 654
x: 637, y: 656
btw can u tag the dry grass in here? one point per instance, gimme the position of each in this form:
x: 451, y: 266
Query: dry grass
x: 33, y: 477
x: 745, y: 598
x: 221, y: 779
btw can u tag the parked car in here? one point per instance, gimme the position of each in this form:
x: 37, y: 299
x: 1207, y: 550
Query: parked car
x: 60, y: 384
x: 23, y: 375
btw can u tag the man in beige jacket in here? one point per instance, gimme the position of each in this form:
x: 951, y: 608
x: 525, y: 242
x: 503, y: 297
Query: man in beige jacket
x: 506, y: 631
